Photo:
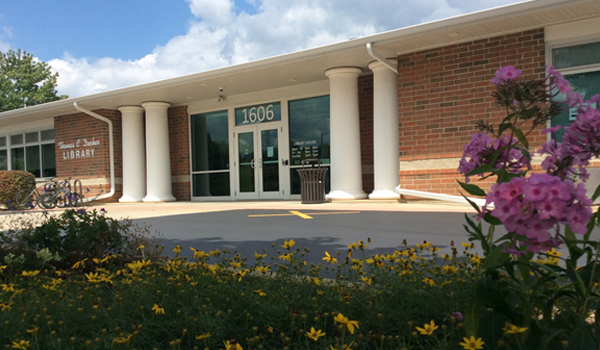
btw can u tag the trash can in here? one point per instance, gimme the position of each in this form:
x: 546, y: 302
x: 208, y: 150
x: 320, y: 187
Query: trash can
x: 312, y: 181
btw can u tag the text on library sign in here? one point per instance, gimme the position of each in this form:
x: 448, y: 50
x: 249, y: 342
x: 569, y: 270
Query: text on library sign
x: 82, y: 148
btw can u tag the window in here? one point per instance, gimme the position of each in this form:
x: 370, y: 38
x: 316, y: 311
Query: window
x: 210, y: 154
x: 29, y: 151
x: 309, y: 136
x: 580, y: 65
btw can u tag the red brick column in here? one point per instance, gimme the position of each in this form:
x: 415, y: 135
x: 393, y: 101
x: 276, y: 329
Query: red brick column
x: 179, y: 143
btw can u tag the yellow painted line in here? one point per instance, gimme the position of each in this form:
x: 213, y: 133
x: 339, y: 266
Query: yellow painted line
x: 267, y: 215
x: 304, y: 216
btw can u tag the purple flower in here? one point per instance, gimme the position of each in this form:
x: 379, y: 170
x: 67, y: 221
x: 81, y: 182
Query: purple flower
x: 81, y: 211
x: 12, y: 208
x: 551, y: 130
x: 8, y: 201
x: 505, y: 73
x: 103, y: 210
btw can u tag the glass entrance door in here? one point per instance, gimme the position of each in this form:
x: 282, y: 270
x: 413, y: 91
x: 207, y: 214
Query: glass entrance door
x: 258, y: 162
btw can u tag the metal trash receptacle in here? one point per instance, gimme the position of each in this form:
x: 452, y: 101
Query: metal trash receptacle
x: 312, y: 181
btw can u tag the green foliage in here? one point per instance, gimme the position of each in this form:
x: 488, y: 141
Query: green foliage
x: 59, y: 241
x: 25, y: 81
x: 258, y: 302
x: 11, y: 181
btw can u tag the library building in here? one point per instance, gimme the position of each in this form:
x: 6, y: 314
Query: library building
x: 387, y: 114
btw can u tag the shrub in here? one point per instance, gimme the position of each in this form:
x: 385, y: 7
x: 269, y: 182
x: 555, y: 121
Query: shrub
x: 11, y: 182
x: 72, y: 236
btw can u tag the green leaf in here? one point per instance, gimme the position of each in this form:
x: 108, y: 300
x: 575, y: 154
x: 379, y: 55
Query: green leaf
x: 471, y: 316
x: 472, y: 189
x: 521, y: 137
x: 596, y: 193
x: 502, y: 127
x: 482, y: 169
x: 478, y: 234
x: 525, y: 153
x: 492, y: 220
x: 495, y: 258
x: 473, y: 204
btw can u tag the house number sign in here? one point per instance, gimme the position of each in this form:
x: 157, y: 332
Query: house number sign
x: 268, y: 112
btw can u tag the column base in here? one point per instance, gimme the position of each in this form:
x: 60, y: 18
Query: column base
x: 129, y: 199
x: 339, y: 194
x: 156, y: 199
x: 384, y: 194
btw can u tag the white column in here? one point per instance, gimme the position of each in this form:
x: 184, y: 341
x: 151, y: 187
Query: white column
x: 385, y: 132
x: 158, y: 158
x: 134, y: 155
x: 346, y: 171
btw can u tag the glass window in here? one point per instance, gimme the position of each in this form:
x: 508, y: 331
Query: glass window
x: 32, y: 156
x: 309, y: 129
x: 31, y: 137
x: 3, y: 141
x: 17, y: 156
x: 588, y: 85
x: 48, y: 160
x: 48, y: 135
x: 309, y: 136
x: 579, y: 55
x: 210, y: 142
x: 3, y: 160
x: 210, y: 154
x: 16, y: 139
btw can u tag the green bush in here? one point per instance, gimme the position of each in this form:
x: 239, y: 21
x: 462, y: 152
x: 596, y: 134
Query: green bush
x: 74, y: 235
x: 11, y: 182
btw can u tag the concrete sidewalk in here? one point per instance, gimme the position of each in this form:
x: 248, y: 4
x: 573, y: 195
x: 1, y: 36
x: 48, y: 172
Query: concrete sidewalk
x: 152, y: 210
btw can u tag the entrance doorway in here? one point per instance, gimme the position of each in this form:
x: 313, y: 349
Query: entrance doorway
x: 259, y: 163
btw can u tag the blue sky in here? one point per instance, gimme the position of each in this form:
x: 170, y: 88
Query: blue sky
x: 99, y: 45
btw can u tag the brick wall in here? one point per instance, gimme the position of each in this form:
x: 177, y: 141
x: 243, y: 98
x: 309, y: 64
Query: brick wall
x: 444, y: 92
x: 89, y: 164
x: 365, y: 112
x: 180, y: 151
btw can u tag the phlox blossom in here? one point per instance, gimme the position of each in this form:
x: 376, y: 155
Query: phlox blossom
x: 505, y: 73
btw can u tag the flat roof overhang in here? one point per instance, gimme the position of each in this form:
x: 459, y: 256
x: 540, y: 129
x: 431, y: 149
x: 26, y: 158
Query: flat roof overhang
x: 310, y: 65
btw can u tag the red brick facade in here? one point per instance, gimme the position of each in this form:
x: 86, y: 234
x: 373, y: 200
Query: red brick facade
x: 444, y: 92
x: 82, y: 162
x: 179, y: 129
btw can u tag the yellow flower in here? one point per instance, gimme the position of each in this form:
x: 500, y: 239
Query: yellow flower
x: 122, y: 340
x: 93, y: 277
x: 428, y: 328
x: 263, y: 269
x: 158, y: 309
x: 232, y: 345
x: 285, y: 256
x: 5, y: 307
x: 236, y: 265
x: 141, y: 246
x: 177, y: 249
x: 33, y: 331
x: 259, y: 256
x: 353, y: 245
x: 288, y: 244
x: 22, y: 344
x: 30, y: 273
x: 472, y: 343
x: 429, y: 281
x: 512, y: 329
x: 467, y: 245
x: 329, y: 258
x: 424, y: 245
x: 269, y: 328
x: 203, y: 336
x: 2, y: 268
x: 553, y: 252
x: 79, y: 264
x: 339, y: 318
x: 367, y: 280
x: 314, y: 335
x: 261, y: 293
x: 315, y: 281
x: 9, y: 287
x: 450, y: 269
x: 476, y: 260
x: 199, y: 254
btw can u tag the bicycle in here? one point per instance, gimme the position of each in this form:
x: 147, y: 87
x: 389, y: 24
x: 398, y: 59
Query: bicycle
x: 61, y: 197
x: 30, y: 198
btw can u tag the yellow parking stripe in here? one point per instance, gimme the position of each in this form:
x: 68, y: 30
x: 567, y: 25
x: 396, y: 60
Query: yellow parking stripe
x: 304, y: 216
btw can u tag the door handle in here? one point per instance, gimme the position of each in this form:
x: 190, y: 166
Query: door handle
x: 252, y: 163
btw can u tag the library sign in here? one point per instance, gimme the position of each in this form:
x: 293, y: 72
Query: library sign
x: 82, y: 148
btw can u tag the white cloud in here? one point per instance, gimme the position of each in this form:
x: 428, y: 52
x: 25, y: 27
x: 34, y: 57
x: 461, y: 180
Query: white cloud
x: 220, y: 37
x: 5, y: 33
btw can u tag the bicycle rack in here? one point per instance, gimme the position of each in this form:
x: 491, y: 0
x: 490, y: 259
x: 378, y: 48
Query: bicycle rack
x: 77, y: 188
